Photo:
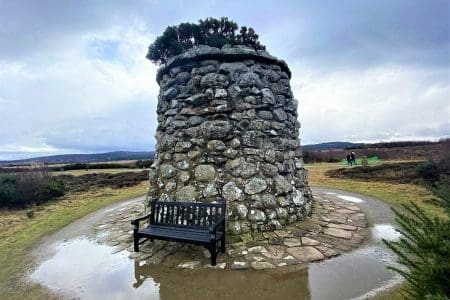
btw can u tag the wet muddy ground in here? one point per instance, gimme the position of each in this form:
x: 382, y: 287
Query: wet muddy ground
x: 74, y: 264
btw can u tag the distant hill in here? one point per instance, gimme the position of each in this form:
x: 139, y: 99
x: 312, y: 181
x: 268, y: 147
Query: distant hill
x: 406, y: 150
x: 330, y: 146
x: 400, y: 144
x: 85, y: 158
x: 130, y: 155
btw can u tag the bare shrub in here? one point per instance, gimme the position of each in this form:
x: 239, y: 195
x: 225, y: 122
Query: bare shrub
x: 35, y: 186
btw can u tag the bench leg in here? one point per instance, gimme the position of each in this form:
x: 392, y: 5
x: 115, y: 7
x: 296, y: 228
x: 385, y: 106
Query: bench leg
x: 136, y: 242
x: 212, y: 249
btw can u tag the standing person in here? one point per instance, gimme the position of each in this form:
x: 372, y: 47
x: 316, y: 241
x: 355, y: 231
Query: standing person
x: 353, y: 157
x: 349, y: 160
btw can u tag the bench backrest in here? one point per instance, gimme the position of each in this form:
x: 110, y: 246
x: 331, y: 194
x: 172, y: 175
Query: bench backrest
x: 193, y: 215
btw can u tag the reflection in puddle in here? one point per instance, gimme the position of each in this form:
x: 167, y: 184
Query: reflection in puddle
x: 385, y: 231
x: 225, y: 284
x: 350, y: 198
x: 351, y: 275
x: 85, y: 269
x: 82, y: 268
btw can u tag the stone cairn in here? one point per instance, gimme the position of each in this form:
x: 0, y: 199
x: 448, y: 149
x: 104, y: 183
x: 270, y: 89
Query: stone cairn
x: 228, y: 128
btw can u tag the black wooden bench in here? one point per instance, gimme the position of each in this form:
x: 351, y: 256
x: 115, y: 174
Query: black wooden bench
x: 187, y: 222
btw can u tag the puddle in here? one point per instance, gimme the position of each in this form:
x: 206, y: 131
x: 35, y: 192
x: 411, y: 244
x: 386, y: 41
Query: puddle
x: 80, y: 268
x: 350, y: 198
x: 120, y: 206
x: 346, y: 197
x: 385, y: 231
x: 347, y: 276
x: 84, y: 269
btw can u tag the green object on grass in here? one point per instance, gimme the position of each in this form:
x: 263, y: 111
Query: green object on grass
x: 370, y: 160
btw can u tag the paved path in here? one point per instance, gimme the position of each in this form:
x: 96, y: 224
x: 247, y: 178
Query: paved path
x: 335, y: 226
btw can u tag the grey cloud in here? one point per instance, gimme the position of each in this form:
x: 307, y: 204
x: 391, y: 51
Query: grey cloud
x: 322, y: 33
x: 74, y: 109
x: 30, y: 27
x: 353, y: 34
x: 442, y: 130
x: 129, y: 126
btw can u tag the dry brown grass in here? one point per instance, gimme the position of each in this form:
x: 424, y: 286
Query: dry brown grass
x: 19, y: 234
x: 94, y: 171
x: 394, y: 194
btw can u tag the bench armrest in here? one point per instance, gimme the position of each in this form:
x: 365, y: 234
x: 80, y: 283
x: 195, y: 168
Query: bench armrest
x: 219, y: 224
x: 135, y: 222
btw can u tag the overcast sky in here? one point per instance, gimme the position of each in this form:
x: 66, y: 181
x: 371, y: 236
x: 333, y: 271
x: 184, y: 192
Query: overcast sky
x: 74, y: 78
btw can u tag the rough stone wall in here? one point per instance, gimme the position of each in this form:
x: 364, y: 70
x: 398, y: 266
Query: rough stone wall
x: 228, y: 128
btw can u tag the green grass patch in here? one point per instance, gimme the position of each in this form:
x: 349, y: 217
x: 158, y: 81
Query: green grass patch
x: 373, y: 160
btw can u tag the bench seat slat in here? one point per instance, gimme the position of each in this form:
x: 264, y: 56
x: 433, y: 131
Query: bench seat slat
x: 164, y: 227
x: 179, y: 234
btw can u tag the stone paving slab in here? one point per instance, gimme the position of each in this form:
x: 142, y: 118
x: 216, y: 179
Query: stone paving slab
x: 334, y: 227
x: 305, y: 253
